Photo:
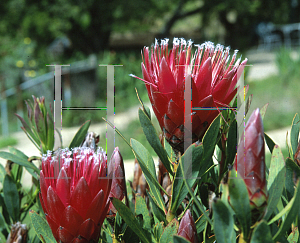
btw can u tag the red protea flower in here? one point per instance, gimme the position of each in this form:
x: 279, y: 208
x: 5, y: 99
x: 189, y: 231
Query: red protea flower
x: 74, y: 193
x: 213, y: 85
x: 250, y: 161
x: 187, y: 227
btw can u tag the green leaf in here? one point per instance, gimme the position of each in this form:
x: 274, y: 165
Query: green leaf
x: 239, y: 200
x: 21, y: 161
x: 291, y: 215
x: 131, y: 221
x: 294, y: 236
x: 295, y: 134
x: 231, y: 144
x: 145, y: 108
x: 141, y: 208
x: 179, y: 191
x: 261, y: 233
x: 40, y: 124
x: 158, y: 230
x: 2, y: 173
x: 153, y: 140
x: 209, y: 140
x: 292, y: 172
x: 17, y: 152
x: 11, y: 198
x: 269, y: 142
x: 143, y: 156
x: 263, y: 110
x: 41, y: 228
x: 2, y: 222
x: 195, y: 199
x: 179, y: 239
x: 50, y: 133
x: 200, y: 224
x: 35, y: 140
x: 169, y: 231
x: 276, y: 180
x: 80, y: 135
x: 223, y: 223
x: 157, y: 211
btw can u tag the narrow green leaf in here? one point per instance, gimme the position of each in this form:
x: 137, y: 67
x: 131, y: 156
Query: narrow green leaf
x: 2, y: 173
x: 41, y: 228
x: 169, y: 231
x: 231, y: 144
x: 209, y: 140
x: 179, y: 191
x: 269, y: 142
x: 142, y: 155
x: 261, y: 233
x: 80, y: 135
x: 223, y: 223
x: 158, y: 230
x: 291, y: 215
x: 179, y: 239
x: 196, y: 201
x: 200, y: 224
x: 145, y: 108
x: 292, y: 172
x: 17, y: 152
x: 263, y: 110
x: 11, y: 198
x: 153, y: 140
x: 131, y: 221
x: 141, y: 208
x: 276, y: 180
x: 19, y: 161
x: 240, y: 203
x: 50, y: 133
x: 28, y: 131
x: 2, y: 222
x: 295, y: 134
x: 157, y: 211
x: 40, y: 123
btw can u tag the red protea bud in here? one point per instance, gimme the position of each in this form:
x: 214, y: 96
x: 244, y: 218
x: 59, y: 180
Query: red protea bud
x: 187, y: 227
x: 250, y: 161
x: 74, y: 193
x: 297, y: 154
x: 213, y: 85
x: 118, y: 186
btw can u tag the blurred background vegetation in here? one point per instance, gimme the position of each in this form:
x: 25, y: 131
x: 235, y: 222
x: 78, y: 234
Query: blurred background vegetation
x: 36, y: 33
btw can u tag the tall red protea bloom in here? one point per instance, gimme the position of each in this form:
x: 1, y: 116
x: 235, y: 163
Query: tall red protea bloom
x: 213, y: 84
x: 250, y: 161
x: 187, y: 227
x: 74, y: 193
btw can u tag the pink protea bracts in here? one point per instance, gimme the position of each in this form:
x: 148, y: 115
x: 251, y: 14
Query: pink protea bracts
x: 250, y: 161
x: 214, y: 81
x: 74, y: 193
x: 187, y: 227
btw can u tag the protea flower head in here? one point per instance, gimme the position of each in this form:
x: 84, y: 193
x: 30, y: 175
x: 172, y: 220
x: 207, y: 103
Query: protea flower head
x: 213, y: 77
x: 187, y: 227
x: 250, y: 161
x: 118, y: 186
x: 74, y: 193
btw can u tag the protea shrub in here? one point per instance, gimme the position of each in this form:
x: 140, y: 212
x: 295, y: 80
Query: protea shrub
x: 75, y: 186
x: 214, y: 80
